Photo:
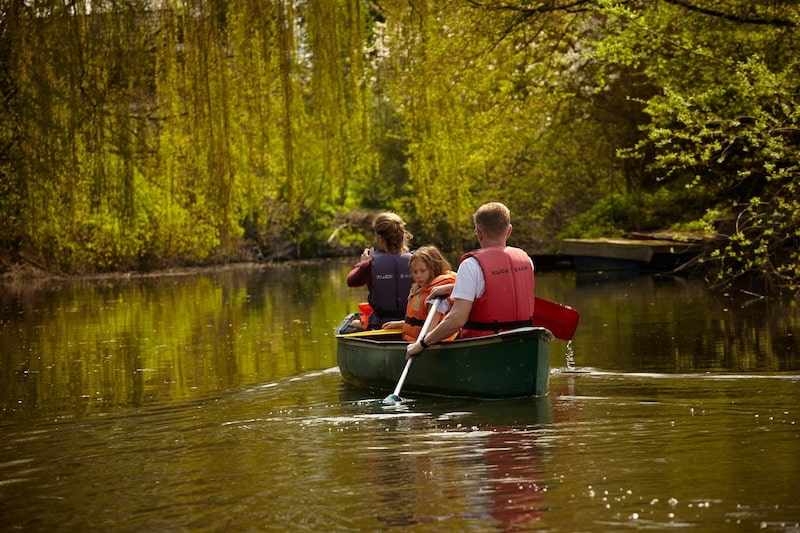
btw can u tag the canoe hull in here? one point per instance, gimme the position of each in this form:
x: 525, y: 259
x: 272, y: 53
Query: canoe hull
x: 509, y: 365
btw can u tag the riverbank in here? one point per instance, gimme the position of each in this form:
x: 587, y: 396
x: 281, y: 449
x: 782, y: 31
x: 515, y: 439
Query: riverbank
x: 23, y: 276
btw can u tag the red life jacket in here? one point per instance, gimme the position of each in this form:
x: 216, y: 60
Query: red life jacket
x: 416, y: 311
x: 507, y: 301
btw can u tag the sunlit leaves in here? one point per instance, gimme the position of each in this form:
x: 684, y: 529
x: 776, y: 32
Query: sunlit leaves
x: 184, y: 129
x: 726, y: 119
x: 147, y: 135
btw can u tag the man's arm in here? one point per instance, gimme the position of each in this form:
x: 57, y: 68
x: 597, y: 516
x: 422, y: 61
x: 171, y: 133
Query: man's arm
x: 442, y: 290
x: 453, y: 321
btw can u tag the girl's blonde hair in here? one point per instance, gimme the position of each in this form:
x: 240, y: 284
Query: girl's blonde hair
x: 393, y: 230
x: 433, y: 259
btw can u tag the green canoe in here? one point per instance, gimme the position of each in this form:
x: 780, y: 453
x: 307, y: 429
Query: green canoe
x: 511, y: 364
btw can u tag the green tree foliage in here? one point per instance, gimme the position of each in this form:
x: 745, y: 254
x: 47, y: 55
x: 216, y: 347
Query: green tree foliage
x: 479, y: 92
x: 725, y: 122
x: 142, y: 135
x: 137, y: 134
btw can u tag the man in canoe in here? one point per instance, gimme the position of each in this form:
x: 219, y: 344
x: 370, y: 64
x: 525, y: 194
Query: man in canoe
x: 493, y: 291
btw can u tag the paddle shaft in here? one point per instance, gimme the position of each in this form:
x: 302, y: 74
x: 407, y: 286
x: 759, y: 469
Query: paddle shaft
x: 422, y: 332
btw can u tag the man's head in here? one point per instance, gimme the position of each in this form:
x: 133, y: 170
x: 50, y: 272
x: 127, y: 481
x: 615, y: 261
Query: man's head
x: 492, y: 223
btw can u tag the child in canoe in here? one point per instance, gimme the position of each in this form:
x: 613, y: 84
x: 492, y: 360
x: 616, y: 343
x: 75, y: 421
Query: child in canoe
x: 384, y: 269
x: 429, y: 269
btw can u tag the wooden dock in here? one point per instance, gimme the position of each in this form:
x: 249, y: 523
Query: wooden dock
x: 641, y: 252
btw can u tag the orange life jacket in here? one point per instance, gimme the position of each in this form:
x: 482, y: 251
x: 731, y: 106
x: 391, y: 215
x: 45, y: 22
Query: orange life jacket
x: 416, y: 311
x: 507, y: 301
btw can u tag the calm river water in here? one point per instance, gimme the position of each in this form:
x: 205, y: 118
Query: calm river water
x: 211, y: 402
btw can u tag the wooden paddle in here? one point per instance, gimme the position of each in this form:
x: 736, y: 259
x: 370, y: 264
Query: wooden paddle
x: 560, y: 319
x: 433, y: 311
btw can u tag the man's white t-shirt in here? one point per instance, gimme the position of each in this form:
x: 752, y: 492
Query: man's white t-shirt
x: 469, y: 281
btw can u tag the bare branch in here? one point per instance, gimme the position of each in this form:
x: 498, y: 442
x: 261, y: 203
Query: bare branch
x: 731, y: 17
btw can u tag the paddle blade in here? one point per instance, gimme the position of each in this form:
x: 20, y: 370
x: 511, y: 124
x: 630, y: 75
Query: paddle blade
x: 560, y: 319
x: 392, y: 399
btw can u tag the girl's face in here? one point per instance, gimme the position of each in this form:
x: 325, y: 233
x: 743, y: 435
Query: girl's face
x: 421, y: 273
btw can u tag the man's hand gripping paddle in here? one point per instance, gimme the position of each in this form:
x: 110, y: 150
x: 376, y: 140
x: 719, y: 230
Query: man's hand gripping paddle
x: 432, y: 312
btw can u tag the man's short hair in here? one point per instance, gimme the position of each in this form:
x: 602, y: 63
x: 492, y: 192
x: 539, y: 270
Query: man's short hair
x: 493, y: 219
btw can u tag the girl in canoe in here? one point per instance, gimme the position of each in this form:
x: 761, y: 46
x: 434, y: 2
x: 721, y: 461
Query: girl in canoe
x: 429, y: 269
x: 385, y: 271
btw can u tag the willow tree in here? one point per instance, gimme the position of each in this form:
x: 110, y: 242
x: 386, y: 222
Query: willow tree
x: 420, y: 74
x: 338, y: 159
x: 79, y: 76
x: 264, y: 122
x: 194, y: 157
x: 480, y: 88
x: 258, y: 119
x: 298, y: 70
